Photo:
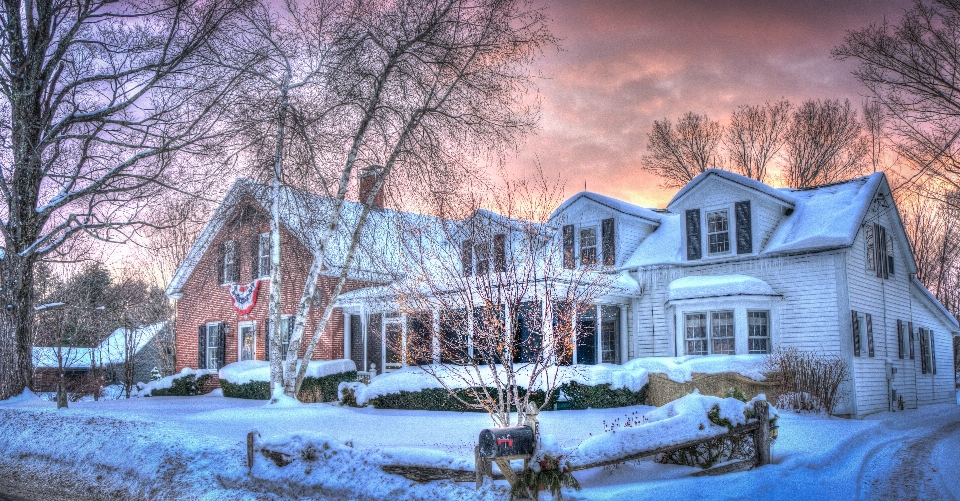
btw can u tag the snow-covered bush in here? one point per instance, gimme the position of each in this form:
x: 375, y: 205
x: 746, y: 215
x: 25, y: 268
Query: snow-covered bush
x: 808, y: 380
x: 251, y: 379
x: 186, y: 384
x: 347, y: 393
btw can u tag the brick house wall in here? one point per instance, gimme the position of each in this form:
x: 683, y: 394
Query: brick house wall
x: 204, y: 300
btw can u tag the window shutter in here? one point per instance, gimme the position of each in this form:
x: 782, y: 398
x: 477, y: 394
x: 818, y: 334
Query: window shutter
x: 923, y: 351
x: 855, y: 328
x: 221, y: 257
x: 255, y: 257
x: 910, y: 336
x: 693, y: 235
x: 883, y: 252
x: 900, y: 353
x: 266, y: 339
x: 608, y: 239
x: 202, y: 345
x: 933, y: 354
x: 877, y: 251
x: 221, y: 348
x: 499, y: 252
x: 569, y: 262
x: 466, y: 257
x: 744, y: 229
x: 290, y: 323
x: 869, y: 321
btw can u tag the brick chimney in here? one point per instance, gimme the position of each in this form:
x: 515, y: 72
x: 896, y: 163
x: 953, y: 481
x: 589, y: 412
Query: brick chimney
x: 367, y: 179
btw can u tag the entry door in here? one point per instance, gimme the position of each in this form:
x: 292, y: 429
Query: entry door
x: 587, y: 343
x: 248, y: 338
x: 393, y: 344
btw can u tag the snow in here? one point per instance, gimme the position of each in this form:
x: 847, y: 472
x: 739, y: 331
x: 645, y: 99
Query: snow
x: 680, y: 421
x: 612, y: 203
x: 113, y: 349
x: 784, y: 197
x: 715, y: 286
x: 681, y: 369
x: 73, y: 358
x: 259, y: 370
x: 662, y: 246
x: 415, y: 378
x: 196, y: 445
x: 144, y: 389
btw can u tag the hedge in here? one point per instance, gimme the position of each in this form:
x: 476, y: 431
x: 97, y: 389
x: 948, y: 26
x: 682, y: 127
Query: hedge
x: 186, y: 386
x: 579, y: 396
x: 323, y: 389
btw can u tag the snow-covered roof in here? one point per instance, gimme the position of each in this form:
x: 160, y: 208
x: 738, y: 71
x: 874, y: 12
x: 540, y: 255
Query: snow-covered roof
x: 783, y: 197
x: 823, y: 217
x: 919, y: 289
x: 620, y: 206
x: 716, y: 286
x: 304, y: 215
x: 113, y: 349
x: 45, y: 357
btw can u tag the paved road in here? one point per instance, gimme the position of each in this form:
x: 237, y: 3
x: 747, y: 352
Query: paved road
x: 905, y: 469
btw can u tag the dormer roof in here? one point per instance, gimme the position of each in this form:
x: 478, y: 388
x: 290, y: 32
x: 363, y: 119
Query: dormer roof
x: 781, y: 197
x: 625, y: 208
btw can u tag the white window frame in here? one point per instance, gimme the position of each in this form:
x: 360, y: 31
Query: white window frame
x: 230, y: 249
x: 263, y: 253
x: 750, y: 335
x: 706, y: 332
x: 240, y: 326
x: 740, y: 305
x: 483, y: 253
x: 215, y: 328
x: 596, y: 245
x: 707, y: 233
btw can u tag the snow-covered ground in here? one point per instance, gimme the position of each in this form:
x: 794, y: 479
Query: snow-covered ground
x: 142, y: 447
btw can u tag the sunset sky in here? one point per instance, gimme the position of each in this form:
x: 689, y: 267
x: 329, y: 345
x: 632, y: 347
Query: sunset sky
x: 622, y: 65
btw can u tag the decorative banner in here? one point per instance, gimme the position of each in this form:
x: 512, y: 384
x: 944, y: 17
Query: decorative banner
x: 244, y: 296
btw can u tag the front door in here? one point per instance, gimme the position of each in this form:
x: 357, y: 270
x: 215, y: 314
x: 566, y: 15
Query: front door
x: 247, y: 341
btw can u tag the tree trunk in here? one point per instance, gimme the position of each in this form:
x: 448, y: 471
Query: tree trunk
x: 16, y: 318
x: 61, y: 393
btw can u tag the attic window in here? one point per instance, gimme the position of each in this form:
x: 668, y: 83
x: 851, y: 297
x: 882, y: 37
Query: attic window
x: 231, y: 267
x: 879, y: 250
x: 263, y: 254
x: 718, y: 231
x: 588, y: 245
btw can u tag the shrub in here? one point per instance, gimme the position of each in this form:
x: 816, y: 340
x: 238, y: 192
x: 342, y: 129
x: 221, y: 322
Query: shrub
x: 186, y: 386
x: 323, y: 389
x: 580, y: 397
x: 808, y: 380
x: 348, y: 393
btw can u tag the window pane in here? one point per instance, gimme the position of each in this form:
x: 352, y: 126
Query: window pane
x: 588, y: 237
x: 721, y: 333
x: 264, y: 254
x: 718, y: 235
x: 758, y: 339
x: 695, y: 328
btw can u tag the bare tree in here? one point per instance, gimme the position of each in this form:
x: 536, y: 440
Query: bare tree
x: 505, y: 298
x: 823, y: 144
x: 679, y: 155
x: 934, y: 233
x: 411, y: 92
x: 97, y: 97
x: 911, y: 68
x: 755, y: 137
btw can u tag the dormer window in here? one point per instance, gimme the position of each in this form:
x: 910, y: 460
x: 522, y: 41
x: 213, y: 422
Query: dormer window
x: 588, y: 246
x: 482, y: 255
x: 718, y: 231
x: 477, y: 256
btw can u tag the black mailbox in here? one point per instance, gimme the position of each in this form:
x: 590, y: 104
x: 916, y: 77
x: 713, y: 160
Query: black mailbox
x: 506, y: 442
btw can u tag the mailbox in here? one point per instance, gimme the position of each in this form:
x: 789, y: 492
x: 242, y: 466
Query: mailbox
x: 516, y: 442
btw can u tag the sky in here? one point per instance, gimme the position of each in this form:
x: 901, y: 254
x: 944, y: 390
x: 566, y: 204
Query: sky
x: 623, y: 64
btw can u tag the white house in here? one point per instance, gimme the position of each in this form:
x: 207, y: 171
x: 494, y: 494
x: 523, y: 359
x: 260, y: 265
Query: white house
x: 733, y: 266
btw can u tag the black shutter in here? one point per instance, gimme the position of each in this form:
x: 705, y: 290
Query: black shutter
x: 878, y: 252
x: 266, y: 339
x: 883, y: 252
x: 910, y: 330
x: 855, y: 328
x: 221, y: 348
x: 869, y: 322
x: 202, y: 345
x: 900, y: 339
x: 933, y: 354
x: 221, y: 256
x: 693, y: 235
x: 744, y: 228
x: 609, y: 241
x: 569, y: 262
x: 255, y: 258
x: 923, y: 351
x: 466, y: 257
x: 499, y: 252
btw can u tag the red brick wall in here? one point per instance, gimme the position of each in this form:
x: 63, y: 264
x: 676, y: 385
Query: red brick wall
x: 204, y: 300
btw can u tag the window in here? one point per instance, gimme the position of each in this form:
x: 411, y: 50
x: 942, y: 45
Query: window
x: 231, y: 267
x: 588, y: 245
x: 264, y: 254
x: 758, y: 332
x: 928, y: 359
x: 609, y: 334
x: 213, y: 345
x: 695, y: 333
x: 890, y: 254
x: 871, y: 249
x: 485, y: 255
x: 879, y: 250
x: 721, y: 333
x: 286, y: 328
x: 482, y: 255
x: 718, y: 234
x: 247, y: 340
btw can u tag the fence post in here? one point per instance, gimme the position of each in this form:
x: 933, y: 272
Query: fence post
x: 761, y: 437
x: 251, y: 438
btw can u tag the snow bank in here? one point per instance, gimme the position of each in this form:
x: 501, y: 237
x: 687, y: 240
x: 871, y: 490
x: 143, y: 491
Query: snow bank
x: 259, y: 370
x: 144, y: 389
x: 679, y: 421
x: 681, y: 369
x: 23, y: 397
x: 415, y: 379
x: 715, y: 286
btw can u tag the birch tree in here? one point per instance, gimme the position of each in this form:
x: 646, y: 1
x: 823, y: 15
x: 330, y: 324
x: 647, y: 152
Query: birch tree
x: 409, y: 92
x: 102, y: 101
